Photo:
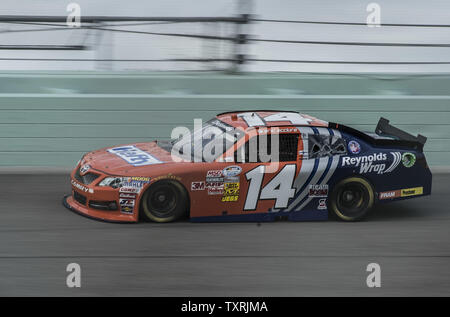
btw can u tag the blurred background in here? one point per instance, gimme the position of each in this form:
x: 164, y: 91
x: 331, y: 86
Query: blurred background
x: 133, y: 71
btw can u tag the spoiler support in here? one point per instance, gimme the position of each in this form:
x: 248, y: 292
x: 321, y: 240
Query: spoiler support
x: 383, y: 127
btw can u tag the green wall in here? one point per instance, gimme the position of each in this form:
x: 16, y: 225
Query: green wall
x: 51, y: 119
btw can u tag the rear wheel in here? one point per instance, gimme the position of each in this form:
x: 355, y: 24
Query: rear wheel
x: 351, y: 199
x: 164, y: 201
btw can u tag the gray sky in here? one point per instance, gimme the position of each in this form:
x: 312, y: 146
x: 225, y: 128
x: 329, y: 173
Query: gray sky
x: 133, y: 46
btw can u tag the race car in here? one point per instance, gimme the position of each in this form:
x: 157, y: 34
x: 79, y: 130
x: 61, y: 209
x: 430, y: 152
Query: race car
x: 252, y: 166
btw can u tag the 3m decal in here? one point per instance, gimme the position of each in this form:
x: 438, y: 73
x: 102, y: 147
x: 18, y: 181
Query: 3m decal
x: 134, y: 156
x: 198, y: 185
x: 279, y: 188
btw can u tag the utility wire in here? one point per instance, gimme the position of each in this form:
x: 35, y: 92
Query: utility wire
x: 350, y: 23
x: 118, y: 60
x: 352, y: 43
x: 344, y: 62
x: 223, y: 60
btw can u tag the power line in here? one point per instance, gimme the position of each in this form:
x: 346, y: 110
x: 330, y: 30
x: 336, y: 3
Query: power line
x: 118, y: 60
x: 350, y: 23
x: 344, y: 62
x: 97, y: 19
x: 224, y: 60
x: 61, y: 27
x: 352, y: 43
x: 209, y: 37
x: 44, y: 47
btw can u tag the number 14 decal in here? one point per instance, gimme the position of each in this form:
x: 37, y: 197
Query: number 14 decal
x: 279, y: 188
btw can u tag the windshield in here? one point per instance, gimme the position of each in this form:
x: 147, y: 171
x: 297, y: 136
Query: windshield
x: 208, y: 142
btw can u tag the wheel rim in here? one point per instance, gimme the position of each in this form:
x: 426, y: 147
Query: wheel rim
x: 162, y: 201
x: 352, y: 199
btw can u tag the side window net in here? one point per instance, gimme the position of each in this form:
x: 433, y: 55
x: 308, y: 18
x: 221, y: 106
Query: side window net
x: 325, y: 145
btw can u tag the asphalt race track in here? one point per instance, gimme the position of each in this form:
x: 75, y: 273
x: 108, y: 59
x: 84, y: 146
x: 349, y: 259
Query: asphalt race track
x: 39, y: 237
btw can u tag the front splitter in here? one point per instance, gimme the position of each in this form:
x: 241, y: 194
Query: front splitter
x: 69, y: 204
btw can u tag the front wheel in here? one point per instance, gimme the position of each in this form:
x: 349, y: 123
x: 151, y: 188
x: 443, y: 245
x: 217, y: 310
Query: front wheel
x: 351, y: 199
x: 164, y: 201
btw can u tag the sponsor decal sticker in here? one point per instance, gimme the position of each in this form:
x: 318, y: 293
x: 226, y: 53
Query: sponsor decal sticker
x: 354, y: 147
x: 322, y: 204
x: 84, y: 169
x: 168, y: 176
x: 214, y: 185
x: 197, y: 185
x: 214, y: 173
x: 127, y: 205
x: 126, y: 195
x: 140, y: 179
x: 230, y: 192
x: 318, y: 190
x: 406, y: 192
x: 81, y: 187
x: 215, y: 191
x: 126, y: 210
x: 131, y: 190
x: 408, y: 159
x: 390, y: 194
x: 412, y: 191
x: 231, y: 171
x: 134, y: 156
x: 369, y: 163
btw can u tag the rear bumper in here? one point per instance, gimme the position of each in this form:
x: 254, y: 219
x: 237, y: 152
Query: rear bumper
x: 107, y: 216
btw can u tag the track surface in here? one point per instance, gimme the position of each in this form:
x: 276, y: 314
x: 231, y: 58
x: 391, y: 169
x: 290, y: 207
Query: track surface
x: 39, y: 237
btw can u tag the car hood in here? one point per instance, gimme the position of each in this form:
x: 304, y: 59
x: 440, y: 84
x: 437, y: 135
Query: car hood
x: 129, y: 159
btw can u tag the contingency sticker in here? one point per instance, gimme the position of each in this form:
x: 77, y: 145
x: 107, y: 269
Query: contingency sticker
x: 406, y: 192
x: 134, y: 156
x: 230, y: 192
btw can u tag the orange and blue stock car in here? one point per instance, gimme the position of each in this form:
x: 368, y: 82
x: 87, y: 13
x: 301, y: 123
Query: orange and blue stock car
x: 321, y: 169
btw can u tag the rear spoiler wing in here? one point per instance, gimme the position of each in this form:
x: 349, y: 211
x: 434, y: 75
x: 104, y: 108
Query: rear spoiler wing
x: 384, y: 128
x: 402, y: 138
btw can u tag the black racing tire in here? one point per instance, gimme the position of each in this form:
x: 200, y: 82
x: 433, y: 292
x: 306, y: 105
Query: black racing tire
x: 164, y: 201
x: 351, y: 199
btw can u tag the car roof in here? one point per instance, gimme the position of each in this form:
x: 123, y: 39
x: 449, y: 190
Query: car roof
x: 257, y: 119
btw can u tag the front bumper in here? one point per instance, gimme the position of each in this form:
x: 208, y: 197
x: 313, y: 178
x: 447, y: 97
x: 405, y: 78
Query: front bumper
x: 87, y: 199
x: 72, y: 205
